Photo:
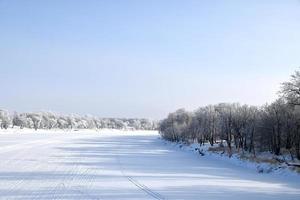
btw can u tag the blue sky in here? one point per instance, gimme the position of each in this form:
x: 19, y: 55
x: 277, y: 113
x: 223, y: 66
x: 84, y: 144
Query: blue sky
x: 125, y: 58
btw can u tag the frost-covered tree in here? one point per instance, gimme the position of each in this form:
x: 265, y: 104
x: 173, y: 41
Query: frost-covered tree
x: 36, y: 119
x: 19, y: 120
x: 226, y: 123
x: 273, y: 127
x: 50, y: 120
x: 291, y: 89
x: 5, y: 119
x: 176, y: 125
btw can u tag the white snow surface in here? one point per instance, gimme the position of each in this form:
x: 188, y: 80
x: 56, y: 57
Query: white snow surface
x: 260, y: 167
x: 112, y: 164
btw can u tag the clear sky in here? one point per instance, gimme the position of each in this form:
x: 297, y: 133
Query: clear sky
x: 125, y: 58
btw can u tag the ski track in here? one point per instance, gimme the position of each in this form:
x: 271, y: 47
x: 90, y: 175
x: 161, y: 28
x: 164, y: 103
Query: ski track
x: 143, y: 187
x: 115, y: 166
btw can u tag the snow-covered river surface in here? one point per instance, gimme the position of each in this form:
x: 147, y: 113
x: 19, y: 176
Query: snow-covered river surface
x: 124, y: 165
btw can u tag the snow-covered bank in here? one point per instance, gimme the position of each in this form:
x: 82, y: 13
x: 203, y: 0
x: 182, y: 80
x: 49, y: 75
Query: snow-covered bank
x: 262, y: 163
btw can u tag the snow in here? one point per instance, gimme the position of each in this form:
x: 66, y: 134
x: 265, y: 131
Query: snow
x: 237, y: 159
x: 111, y: 164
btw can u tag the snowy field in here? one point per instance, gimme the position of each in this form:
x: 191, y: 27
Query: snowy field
x: 124, y: 165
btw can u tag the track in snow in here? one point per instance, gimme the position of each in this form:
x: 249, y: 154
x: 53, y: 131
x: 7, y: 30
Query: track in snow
x: 143, y: 187
x: 118, y: 165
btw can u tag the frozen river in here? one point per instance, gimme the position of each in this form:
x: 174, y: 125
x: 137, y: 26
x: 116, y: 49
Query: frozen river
x: 123, y: 165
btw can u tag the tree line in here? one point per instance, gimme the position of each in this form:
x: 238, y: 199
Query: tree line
x: 272, y: 127
x: 49, y: 120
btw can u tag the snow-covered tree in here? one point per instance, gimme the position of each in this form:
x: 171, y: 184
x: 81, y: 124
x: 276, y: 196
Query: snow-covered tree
x: 291, y: 89
x: 19, y: 120
x: 5, y: 119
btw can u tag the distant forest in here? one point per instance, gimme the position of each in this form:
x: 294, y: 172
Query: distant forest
x: 272, y: 127
x: 50, y: 120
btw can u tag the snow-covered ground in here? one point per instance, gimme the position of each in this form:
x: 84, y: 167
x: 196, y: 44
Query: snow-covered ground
x: 124, y: 165
x: 264, y: 162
